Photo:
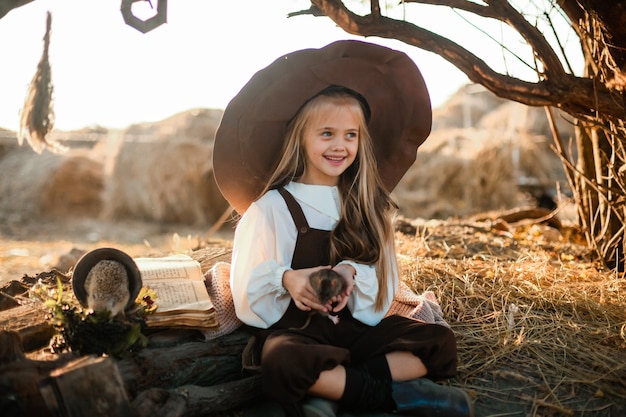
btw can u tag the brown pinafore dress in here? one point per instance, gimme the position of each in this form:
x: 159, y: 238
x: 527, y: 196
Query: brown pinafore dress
x: 292, y: 358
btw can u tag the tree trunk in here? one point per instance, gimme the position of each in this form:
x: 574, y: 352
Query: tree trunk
x: 600, y: 186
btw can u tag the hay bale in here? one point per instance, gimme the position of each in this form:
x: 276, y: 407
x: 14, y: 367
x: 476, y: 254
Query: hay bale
x: 163, y: 171
x: 460, y: 172
x: 48, y: 185
x: 8, y: 142
x: 167, y: 182
x: 153, y: 171
x: 74, y: 188
x: 195, y: 124
x: 515, y: 118
x: 484, y: 154
x: 465, y: 107
x: 24, y: 175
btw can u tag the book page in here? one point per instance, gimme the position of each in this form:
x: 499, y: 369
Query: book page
x: 177, y: 281
x: 180, y: 295
x: 170, y: 268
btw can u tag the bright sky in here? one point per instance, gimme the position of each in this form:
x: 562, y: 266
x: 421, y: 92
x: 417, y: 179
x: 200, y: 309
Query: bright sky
x: 109, y: 74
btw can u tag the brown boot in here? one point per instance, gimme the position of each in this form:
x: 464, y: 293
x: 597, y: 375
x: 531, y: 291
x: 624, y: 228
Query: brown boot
x: 422, y: 397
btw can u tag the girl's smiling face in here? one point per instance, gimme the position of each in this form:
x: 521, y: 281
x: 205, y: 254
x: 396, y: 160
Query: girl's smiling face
x: 331, y: 142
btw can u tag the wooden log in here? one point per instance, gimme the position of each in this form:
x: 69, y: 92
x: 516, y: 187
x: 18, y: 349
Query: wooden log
x: 20, y: 377
x: 196, y: 401
x: 11, y: 349
x: 30, y: 322
x: 193, y: 376
x: 9, y: 292
x: 197, y: 362
x: 522, y: 216
x: 88, y: 386
x: 211, y: 255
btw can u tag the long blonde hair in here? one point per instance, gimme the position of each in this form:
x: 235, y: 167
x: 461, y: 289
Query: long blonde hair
x: 364, y: 232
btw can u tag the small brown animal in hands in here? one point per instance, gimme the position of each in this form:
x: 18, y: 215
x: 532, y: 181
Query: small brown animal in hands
x: 327, y: 283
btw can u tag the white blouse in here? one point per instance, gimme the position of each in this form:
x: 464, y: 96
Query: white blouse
x: 264, y: 243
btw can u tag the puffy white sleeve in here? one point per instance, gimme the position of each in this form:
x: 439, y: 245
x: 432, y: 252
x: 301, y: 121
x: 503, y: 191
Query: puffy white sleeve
x: 258, y: 263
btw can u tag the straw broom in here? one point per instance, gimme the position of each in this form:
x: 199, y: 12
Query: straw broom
x: 37, y: 114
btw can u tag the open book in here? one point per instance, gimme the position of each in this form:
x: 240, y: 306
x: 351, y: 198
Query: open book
x: 182, y: 297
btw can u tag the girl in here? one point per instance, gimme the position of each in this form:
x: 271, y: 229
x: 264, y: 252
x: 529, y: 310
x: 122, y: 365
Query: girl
x: 326, y: 206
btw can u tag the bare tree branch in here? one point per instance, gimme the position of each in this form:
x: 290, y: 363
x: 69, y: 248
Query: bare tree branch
x: 375, y: 8
x: 543, y: 50
x: 502, y: 10
x: 7, y: 5
x: 577, y: 96
x: 468, y: 6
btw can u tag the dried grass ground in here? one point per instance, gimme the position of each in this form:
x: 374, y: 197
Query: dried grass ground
x: 541, y: 327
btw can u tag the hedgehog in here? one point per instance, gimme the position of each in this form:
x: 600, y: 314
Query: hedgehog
x: 107, y: 287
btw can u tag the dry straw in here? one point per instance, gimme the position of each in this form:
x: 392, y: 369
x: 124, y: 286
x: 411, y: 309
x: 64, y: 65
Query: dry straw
x: 541, y: 328
x: 37, y: 114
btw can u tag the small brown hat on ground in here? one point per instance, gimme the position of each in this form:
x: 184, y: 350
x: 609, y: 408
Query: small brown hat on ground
x: 249, y: 138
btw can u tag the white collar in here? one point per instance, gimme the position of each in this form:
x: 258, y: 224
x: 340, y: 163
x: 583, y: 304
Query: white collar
x: 323, y: 198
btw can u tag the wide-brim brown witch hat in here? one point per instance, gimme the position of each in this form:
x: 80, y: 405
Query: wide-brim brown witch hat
x: 249, y: 139
x: 91, y: 258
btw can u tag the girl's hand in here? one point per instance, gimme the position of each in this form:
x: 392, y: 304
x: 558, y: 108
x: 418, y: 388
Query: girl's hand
x: 340, y: 301
x: 298, y: 284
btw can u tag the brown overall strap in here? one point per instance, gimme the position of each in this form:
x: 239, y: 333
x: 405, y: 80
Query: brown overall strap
x: 296, y: 211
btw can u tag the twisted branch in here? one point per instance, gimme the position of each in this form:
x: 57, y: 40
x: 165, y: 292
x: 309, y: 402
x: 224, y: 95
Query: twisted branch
x: 577, y: 96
